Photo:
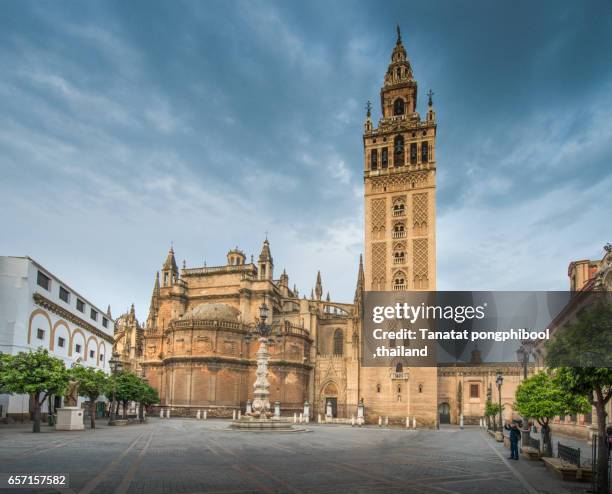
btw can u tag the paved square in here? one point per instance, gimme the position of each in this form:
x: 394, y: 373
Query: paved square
x: 189, y: 456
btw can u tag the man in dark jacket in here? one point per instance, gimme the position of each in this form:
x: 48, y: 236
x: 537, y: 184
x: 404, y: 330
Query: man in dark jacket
x: 515, y: 436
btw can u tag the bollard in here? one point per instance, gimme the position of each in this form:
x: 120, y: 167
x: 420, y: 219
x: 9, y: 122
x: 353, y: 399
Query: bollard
x: 461, y: 421
x: 386, y: 421
x: 379, y: 421
x: 233, y: 414
x: 294, y: 418
x: 205, y: 414
x: 407, y: 422
x: 352, y: 421
x: 319, y: 418
x: 301, y: 418
x: 161, y: 413
x: 198, y: 415
x: 414, y: 422
x: 168, y: 413
x: 239, y: 414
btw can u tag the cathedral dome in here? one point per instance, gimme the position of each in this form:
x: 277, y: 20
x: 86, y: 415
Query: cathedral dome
x: 220, y: 312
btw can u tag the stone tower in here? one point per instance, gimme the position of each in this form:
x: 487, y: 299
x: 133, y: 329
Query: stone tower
x: 400, y: 241
x: 400, y: 185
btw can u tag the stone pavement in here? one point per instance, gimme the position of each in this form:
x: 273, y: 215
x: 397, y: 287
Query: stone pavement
x: 189, y: 456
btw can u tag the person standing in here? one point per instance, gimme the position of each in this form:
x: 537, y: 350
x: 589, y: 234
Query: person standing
x: 515, y: 437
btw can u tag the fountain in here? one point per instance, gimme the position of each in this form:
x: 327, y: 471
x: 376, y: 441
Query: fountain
x: 260, y: 418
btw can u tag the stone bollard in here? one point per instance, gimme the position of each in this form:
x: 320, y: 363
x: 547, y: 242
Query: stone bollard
x: 319, y: 418
x: 161, y: 413
x: 239, y: 414
x: 306, y: 412
x: 352, y: 421
x: 407, y: 422
x: 249, y: 407
x: 198, y: 415
x: 233, y: 414
x: 277, y: 409
x: 461, y: 421
x: 360, y: 413
x: 379, y: 421
x: 205, y: 414
x: 414, y: 422
x: 386, y: 421
x: 294, y: 418
x: 168, y: 413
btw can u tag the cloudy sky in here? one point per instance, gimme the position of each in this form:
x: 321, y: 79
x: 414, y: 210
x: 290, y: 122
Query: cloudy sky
x: 125, y: 126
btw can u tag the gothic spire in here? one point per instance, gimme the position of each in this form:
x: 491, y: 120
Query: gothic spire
x: 265, y: 252
x: 319, y: 286
x: 170, y: 263
x: 360, y: 280
x: 399, y: 36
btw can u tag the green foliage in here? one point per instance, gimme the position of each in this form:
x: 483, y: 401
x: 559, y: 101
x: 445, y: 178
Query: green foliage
x: 4, y: 361
x: 542, y: 398
x: 149, y: 395
x: 492, y: 409
x: 127, y: 386
x: 92, y: 382
x: 34, y: 373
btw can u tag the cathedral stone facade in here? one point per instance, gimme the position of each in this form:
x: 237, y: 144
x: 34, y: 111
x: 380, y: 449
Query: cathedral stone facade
x: 194, y: 348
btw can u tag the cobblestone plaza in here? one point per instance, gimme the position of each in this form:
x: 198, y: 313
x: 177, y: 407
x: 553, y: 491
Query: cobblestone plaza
x: 190, y: 456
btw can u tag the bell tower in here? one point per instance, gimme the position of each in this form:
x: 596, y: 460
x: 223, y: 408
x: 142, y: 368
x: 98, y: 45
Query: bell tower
x: 400, y: 185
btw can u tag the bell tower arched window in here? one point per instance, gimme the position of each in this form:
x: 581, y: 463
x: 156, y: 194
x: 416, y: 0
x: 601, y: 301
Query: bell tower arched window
x: 399, y: 106
x: 384, y: 161
x: 398, y: 151
x: 338, y: 342
x: 374, y: 159
x: 399, y: 281
x: 399, y: 367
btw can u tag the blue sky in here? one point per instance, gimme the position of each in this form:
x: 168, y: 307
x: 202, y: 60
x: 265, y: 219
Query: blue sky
x: 127, y: 125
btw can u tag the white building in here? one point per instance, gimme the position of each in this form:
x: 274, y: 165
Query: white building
x: 38, y: 310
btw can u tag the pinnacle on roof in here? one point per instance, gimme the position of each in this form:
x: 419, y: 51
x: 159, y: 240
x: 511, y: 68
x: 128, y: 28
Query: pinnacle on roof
x: 170, y: 261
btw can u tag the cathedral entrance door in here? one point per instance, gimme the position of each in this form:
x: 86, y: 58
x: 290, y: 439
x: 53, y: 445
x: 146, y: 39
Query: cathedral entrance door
x: 444, y: 411
x: 334, y: 405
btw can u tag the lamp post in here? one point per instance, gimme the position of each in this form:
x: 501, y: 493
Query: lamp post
x: 523, y: 354
x: 115, y: 367
x: 262, y: 332
x: 143, y: 376
x: 499, y: 381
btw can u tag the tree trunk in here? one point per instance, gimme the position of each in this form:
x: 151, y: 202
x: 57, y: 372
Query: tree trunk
x: 92, y: 413
x: 140, y: 414
x: 602, y: 449
x: 125, y: 410
x: 546, y: 439
x: 36, y: 425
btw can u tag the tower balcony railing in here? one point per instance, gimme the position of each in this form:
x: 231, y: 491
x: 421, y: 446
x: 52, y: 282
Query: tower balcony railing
x: 399, y: 260
x: 399, y: 234
x: 399, y: 287
x: 399, y: 212
x: 399, y: 375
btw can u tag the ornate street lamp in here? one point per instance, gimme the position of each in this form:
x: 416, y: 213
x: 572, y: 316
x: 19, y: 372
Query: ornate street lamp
x: 115, y: 366
x: 523, y: 354
x: 499, y: 381
x: 263, y: 333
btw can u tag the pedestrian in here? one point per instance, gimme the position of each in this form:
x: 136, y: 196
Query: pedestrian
x: 515, y: 436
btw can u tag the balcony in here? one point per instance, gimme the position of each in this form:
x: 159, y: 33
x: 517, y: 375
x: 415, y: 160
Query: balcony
x: 399, y: 260
x: 399, y: 212
x: 399, y: 287
x: 400, y: 234
x: 399, y: 376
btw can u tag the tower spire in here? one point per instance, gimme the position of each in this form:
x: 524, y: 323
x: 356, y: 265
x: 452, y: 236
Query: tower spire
x: 399, y: 36
x: 319, y: 286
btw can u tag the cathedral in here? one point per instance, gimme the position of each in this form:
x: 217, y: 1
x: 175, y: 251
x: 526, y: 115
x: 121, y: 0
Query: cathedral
x: 194, y: 347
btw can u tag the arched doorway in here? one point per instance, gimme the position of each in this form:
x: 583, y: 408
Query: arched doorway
x: 444, y: 412
x: 330, y: 395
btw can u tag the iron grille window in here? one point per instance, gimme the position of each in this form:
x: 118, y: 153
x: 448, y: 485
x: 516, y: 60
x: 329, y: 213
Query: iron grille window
x: 474, y: 391
x: 374, y: 159
x: 385, y: 158
x: 424, y: 152
x: 413, y: 153
x: 43, y: 280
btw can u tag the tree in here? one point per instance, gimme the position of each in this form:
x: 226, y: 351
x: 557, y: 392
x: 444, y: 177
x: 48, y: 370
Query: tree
x: 127, y: 388
x: 540, y: 397
x: 492, y: 412
x: 34, y: 373
x: 581, y: 353
x: 147, y: 398
x: 92, y: 384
